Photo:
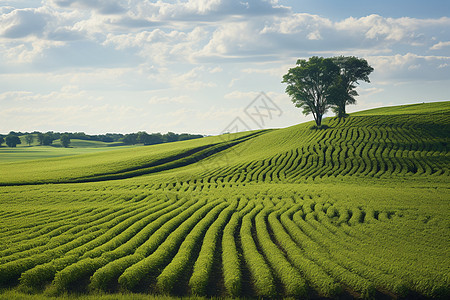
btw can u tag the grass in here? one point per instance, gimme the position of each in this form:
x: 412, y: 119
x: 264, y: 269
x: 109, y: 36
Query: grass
x: 125, y: 162
x: 420, y: 108
x: 357, y: 210
x: 76, y: 143
x: 16, y: 295
x: 25, y: 153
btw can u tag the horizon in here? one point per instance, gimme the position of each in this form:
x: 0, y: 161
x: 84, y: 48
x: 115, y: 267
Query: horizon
x: 197, y: 66
x: 206, y: 135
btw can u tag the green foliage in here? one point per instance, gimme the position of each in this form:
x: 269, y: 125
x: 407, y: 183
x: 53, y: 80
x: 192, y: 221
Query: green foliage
x: 65, y: 140
x: 319, y: 83
x: 202, y: 271
x: 292, y: 280
x: 119, y: 164
x: 310, y: 83
x: 230, y: 260
x: 48, y: 139
x: 40, y: 137
x: 29, y: 138
x: 168, y: 279
x: 12, y: 141
x: 352, y: 69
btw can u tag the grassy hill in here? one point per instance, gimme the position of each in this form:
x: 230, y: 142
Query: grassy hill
x: 357, y: 210
x: 411, y: 142
x: 76, y: 143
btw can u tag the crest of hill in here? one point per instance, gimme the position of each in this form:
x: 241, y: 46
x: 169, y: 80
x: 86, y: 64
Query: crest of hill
x: 427, y: 119
x: 419, y: 108
x: 391, y: 142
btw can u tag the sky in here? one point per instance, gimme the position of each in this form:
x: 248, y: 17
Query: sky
x: 205, y: 66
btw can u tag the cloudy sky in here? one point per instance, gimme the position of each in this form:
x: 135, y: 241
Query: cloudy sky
x: 199, y: 66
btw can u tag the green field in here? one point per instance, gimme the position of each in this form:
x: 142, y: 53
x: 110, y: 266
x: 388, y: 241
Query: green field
x: 358, y: 210
x: 34, y: 151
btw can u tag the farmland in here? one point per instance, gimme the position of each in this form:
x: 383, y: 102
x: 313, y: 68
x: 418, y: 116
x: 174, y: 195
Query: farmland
x: 23, y: 152
x: 360, y: 209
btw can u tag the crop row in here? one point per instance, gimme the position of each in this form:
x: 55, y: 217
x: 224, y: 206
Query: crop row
x: 266, y: 243
x: 356, y: 148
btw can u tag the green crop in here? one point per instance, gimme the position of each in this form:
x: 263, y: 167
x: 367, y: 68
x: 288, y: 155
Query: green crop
x: 360, y: 209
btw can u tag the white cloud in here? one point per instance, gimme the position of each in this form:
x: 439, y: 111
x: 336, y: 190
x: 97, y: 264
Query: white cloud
x: 276, y: 71
x: 440, y: 45
x: 297, y: 23
x: 66, y: 94
x: 15, y: 96
x: 215, y: 70
x: 142, y: 12
x: 101, y: 6
x: 20, y: 23
x: 178, y: 31
x: 241, y: 95
x: 192, y: 80
x: 315, y: 35
x: 231, y: 39
x: 390, y: 29
x: 160, y: 46
x: 203, y: 6
x: 96, y: 54
x: 181, y: 99
x: 409, y: 67
x: 25, y: 53
x: 365, y: 92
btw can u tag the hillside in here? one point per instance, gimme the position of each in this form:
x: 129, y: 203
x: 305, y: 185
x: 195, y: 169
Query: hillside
x: 388, y: 142
x: 357, y: 210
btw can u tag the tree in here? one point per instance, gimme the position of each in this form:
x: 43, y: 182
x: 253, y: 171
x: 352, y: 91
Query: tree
x: 351, y: 69
x: 187, y: 136
x: 65, y: 140
x: 130, y: 139
x: 2, y: 140
x: 48, y: 138
x: 40, y: 137
x: 142, y: 137
x: 29, y: 138
x: 155, y: 138
x: 170, y: 137
x: 310, y: 84
x: 12, y: 140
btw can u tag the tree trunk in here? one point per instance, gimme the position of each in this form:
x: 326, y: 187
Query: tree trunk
x: 319, y: 120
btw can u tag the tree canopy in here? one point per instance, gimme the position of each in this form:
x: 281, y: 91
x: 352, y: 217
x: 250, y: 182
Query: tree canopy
x: 48, y: 138
x: 29, y: 138
x: 343, y: 92
x: 12, y: 140
x: 40, y: 137
x: 320, y: 83
x: 65, y: 140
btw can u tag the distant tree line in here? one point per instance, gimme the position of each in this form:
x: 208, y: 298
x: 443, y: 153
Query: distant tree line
x: 13, y: 138
x: 143, y: 137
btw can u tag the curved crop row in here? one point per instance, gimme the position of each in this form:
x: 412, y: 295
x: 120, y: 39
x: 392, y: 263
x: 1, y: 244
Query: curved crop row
x: 261, y: 274
x: 150, y: 266
x: 45, y: 272
x: 292, y: 281
x: 202, y: 271
x: 172, y: 273
x: 163, y: 219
